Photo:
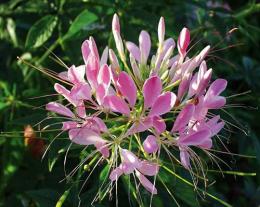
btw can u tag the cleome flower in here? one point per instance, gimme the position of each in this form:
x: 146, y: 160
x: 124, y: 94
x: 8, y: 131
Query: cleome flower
x: 132, y: 107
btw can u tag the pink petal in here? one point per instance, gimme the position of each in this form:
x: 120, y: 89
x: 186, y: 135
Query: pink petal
x: 93, y: 47
x: 135, y: 68
x: 127, y: 168
x: 114, y: 62
x: 115, y: 24
x: 140, y: 126
x: 81, y: 91
x: 59, y: 109
x: 127, y: 87
x: 185, y: 158
x: 163, y: 104
x: 64, y: 75
x: 104, y: 76
x: 92, y: 69
x: 151, y: 90
x: 206, y: 144
x: 183, y: 118
x: 183, y: 41
x: 215, y: 126
x: 150, y: 144
x: 101, y: 125
x: 85, y: 136
x: 216, y: 88
x: 103, y: 149
x: 184, y: 85
x: 65, y: 93
x: 133, y: 50
x: 145, y: 46
x: 100, y: 94
x: 146, y: 183
x: 116, y: 104
x: 149, y: 168
x: 81, y: 110
x: 115, y: 174
x: 195, y: 139
x: 130, y: 158
x: 159, y: 124
x: 215, y: 103
x: 69, y: 125
x: 85, y: 50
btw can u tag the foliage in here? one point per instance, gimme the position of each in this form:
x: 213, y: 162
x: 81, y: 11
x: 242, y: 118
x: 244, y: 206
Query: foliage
x: 28, y: 28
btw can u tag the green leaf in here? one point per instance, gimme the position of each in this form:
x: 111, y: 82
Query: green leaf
x: 81, y: 21
x: 41, y: 31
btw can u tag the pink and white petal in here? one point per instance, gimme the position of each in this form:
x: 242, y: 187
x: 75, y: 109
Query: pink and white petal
x: 69, y: 125
x: 116, y: 104
x: 64, y: 75
x: 127, y: 87
x: 159, y: 124
x: 145, y: 46
x: 183, y: 118
x: 130, y: 158
x: 65, y: 93
x: 133, y: 50
x: 161, y: 30
x: 59, y: 109
x: 104, y: 57
x: 167, y: 45
x: 104, y: 76
x: 115, y: 174
x: 100, y: 94
x: 146, y: 183
x: 185, y: 158
x: 163, y: 104
x: 115, y: 24
x: 150, y: 144
x: 93, y: 47
x: 92, y: 69
x: 76, y: 74
x: 85, y: 136
x: 85, y: 50
x: 183, y: 41
x: 81, y: 91
x: 151, y: 90
x: 149, y: 168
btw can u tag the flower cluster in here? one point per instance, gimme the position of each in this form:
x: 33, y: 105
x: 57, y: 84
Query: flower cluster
x: 134, y: 108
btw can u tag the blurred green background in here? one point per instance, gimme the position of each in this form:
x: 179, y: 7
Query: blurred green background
x: 28, y: 27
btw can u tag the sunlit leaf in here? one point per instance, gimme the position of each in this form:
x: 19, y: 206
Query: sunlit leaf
x: 41, y: 31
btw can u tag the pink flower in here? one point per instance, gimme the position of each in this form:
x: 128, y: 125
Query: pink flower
x: 130, y: 164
